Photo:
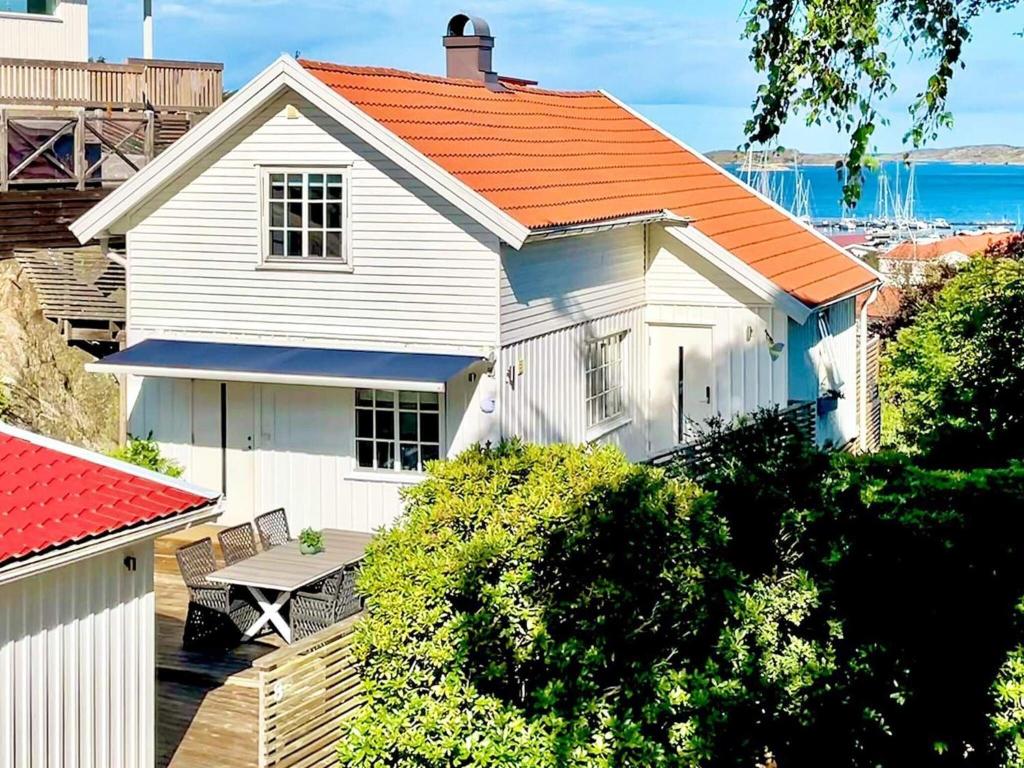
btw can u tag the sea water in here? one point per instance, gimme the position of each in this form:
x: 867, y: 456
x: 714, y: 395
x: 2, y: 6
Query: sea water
x: 955, y: 192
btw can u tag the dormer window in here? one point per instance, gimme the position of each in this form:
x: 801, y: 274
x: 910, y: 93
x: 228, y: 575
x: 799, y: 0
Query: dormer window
x: 305, y: 215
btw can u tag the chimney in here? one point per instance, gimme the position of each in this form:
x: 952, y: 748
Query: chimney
x: 469, y: 56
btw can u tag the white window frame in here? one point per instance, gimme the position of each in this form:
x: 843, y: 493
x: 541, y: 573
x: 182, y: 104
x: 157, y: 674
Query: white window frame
x: 601, y: 425
x: 266, y: 259
x: 396, y: 441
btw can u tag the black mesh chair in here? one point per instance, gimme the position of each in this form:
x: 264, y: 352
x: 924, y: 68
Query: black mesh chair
x: 273, y: 528
x: 334, y: 599
x: 217, y: 614
x: 237, y: 543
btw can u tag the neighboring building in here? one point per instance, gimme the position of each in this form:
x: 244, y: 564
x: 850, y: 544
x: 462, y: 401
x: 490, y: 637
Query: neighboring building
x: 44, y: 29
x: 347, y: 271
x: 908, y: 262
x: 77, y: 619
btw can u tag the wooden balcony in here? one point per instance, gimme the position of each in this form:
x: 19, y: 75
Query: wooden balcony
x: 154, y: 84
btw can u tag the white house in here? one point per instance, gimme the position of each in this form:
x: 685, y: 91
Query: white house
x: 44, y: 29
x: 77, y: 637
x: 344, y: 272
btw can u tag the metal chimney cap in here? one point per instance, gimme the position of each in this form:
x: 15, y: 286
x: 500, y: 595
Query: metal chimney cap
x: 457, y: 26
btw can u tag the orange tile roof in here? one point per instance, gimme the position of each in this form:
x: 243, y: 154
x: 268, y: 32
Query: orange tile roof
x: 968, y: 245
x: 552, y: 158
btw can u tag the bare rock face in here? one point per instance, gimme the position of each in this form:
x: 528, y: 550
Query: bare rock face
x: 43, y: 383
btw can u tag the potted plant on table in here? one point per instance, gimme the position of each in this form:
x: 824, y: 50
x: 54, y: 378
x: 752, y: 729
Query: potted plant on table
x: 311, y: 542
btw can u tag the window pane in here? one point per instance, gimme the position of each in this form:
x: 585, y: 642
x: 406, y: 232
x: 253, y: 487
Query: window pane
x: 364, y: 423
x: 334, y: 215
x: 334, y: 186
x: 277, y: 243
x: 406, y: 426
x: 364, y: 453
x: 295, y: 215
x: 364, y: 397
x: 294, y: 186
x: 385, y: 421
x: 429, y: 453
x: 277, y: 186
x: 316, y: 186
x: 334, y: 245
x: 429, y: 427
x: 408, y: 400
x: 385, y: 398
x: 316, y: 243
x: 385, y: 455
x: 410, y: 457
x: 294, y: 243
x: 277, y: 214
x: 428, y: 401
x: 316, y: 215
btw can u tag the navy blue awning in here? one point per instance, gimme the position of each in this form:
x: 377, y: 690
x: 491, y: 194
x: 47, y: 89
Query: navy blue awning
x: 286, y: 365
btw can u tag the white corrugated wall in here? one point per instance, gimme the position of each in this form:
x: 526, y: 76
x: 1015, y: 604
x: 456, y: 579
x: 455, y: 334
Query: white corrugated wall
x: 77, y: 668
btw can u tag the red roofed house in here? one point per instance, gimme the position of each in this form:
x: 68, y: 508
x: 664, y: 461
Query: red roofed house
x: 909, y: 261
x: 77, y: 633
x: 345, y: 272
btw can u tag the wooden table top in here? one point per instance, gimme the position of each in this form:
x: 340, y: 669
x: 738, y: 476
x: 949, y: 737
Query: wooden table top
x: 286, y: 569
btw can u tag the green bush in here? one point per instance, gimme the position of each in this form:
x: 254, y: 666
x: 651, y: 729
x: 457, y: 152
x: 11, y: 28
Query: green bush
x: 952, y: 380
x: 145, y: 453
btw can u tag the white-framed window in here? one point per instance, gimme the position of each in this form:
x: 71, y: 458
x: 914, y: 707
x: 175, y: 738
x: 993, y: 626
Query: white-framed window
x: 305, y: 215
x: 397, y: 431
x: 603, y: 366
x: 34, y: 7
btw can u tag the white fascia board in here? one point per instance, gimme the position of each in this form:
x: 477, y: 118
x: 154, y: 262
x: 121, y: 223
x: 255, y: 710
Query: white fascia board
x: 106, y: 461
x: 284, y: 73
x: 264, y: 378
x: 735, y: 179
x: 56, y: 558
x: 741, y: 271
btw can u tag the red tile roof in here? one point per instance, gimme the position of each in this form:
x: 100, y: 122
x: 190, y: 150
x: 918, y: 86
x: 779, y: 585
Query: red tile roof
x: 552, y: 158
x: 968, y: 245
x: 50, y: 497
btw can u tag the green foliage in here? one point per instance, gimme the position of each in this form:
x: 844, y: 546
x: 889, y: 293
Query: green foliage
x: 952, y: 380
x: 145, y: 453
x: 833, y: 61
x: 311, y: 539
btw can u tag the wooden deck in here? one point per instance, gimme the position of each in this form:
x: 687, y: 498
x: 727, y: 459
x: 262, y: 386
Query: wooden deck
x: 207, y: 705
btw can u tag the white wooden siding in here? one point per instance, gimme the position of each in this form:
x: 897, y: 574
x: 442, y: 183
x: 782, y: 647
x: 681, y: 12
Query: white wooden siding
x: 546, y: 402
x: 77, y: 665
x: 424, y: 274
x: 302, y: 449
x: 62, y: 37
x: 746, y: 378
x: 806, y: 371
x: 559, y: 283
x: 678, y: 275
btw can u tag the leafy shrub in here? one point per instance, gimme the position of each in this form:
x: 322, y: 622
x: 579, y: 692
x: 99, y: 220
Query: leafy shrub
x: 145, y: 453
x: 952, y: 381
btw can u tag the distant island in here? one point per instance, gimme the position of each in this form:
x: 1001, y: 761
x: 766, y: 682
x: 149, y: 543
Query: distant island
x: 980, y: 154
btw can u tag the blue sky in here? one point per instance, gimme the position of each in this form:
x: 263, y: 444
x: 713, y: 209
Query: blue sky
x: 681, y: 63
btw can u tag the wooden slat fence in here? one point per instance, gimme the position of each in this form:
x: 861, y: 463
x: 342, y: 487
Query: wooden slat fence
x: 871, y: 409
x: 137, y: 84
x: 305, y: 691
x: 804, y: 416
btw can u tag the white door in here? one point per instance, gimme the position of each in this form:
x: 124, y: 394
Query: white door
x: 239, y: 453
x: 681, y: 383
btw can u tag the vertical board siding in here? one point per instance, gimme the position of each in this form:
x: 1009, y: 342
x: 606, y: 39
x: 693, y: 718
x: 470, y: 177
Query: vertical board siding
x: 76, y: 665
x: 558, y: 283
x: 678, y: 275
x: 746, y: 378
x: 423, y: 273
x: 546, y: 402
x: 63, y: 36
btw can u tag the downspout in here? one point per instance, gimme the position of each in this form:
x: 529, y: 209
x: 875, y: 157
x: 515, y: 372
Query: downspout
x: 863, y: 353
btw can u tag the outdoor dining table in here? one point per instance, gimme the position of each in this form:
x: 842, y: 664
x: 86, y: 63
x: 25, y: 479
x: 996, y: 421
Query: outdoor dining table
x: 284, y: 569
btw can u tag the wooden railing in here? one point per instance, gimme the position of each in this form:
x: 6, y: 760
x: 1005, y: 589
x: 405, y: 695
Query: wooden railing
x: 305, y: 691
x: 803, y: 416
x: 138, y: 84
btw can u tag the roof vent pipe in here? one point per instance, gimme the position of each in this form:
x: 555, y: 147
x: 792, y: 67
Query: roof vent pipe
x: 469, y: 56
